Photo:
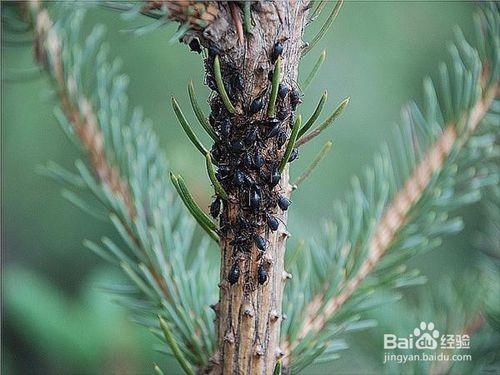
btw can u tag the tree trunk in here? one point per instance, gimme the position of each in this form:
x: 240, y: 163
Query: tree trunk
x: 250, y: 143
x: 252, y: 251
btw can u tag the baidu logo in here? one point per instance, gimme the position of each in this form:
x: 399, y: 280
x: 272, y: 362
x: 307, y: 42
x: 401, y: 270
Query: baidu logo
x: 426, y: 337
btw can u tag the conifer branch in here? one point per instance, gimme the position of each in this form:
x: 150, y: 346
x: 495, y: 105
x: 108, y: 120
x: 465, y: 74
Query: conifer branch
x: 156, y: 235
x: 81, y: 115
x: 401, y: 210
x: 395, y: 218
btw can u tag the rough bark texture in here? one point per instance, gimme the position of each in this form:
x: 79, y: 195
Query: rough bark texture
x: 252, y: 279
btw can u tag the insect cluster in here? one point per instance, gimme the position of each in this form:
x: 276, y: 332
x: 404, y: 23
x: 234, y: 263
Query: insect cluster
x: 247, y: 152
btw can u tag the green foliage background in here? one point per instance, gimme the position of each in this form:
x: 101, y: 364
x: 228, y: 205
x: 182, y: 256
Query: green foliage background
x: 55, y: 318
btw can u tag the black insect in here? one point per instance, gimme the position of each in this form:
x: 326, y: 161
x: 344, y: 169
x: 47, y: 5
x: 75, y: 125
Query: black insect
x: 261, y: 275
x: 238, y: 178
x: 258, y: 160
x: 244, y: 223
x: 270, y: 75
x: 264, y: 175
x: 225, y: 127
x: 251, y: 137
x: 272, y: 122
x: 295, y: 99
x: 274, y: 131
x: 254, y: 199
x: 293, y: 155
x: 194, y: 45
x: 281, y: 138
x: 241, y: 243
x: 277, y: 51
x: 238, y: 240
x: 237, y: 82
x: 215, y: 207
x: 213, y: 51
x: 260, y: 242
x: 275, y: 177
x: 282, y: 113
x: 247, y: 180
x: 222, y: 173
x: 256, y: 105
x: 248, y: 161
x: 234, y: 274
x: 237, y: 146
x: 283, y: 202
x: 272, y: 222
x: 282, y: 90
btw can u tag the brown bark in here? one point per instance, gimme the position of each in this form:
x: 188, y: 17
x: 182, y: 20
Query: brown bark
x: 249, y: 312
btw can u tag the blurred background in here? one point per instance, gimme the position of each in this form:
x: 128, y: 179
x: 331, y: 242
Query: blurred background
x: 55, y: 317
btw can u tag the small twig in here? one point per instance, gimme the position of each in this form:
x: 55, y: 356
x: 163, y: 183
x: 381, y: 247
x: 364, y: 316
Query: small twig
x: 325, y: 124
x: 314, y: 116
x: 321, y: 154
x: 211, y: 174
x: 199, y: 113
x: 186, y: 127
x: 314, y: 71
x: 271, y: 110
x: 291, y: 143
x: 324, y: 29
x: 220, y: 86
